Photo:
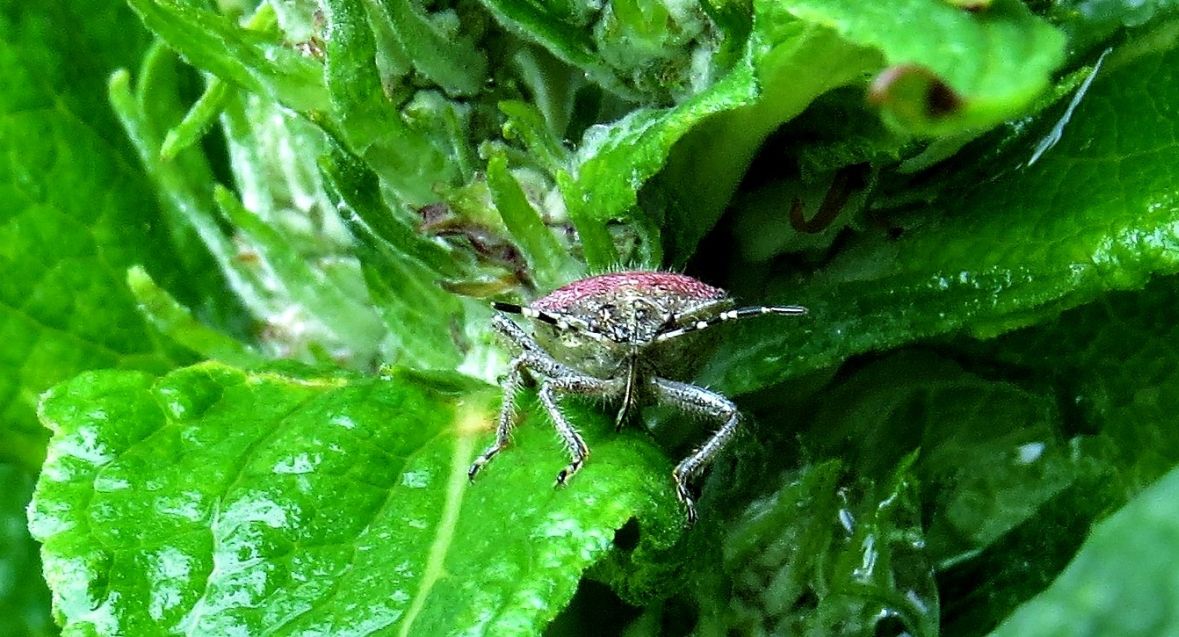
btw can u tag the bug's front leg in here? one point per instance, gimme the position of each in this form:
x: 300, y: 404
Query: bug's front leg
x: 701, y: 402
x: 579, y: 384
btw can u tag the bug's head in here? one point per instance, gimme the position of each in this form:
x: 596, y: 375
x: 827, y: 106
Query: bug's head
x: 625, y: 322
x: 629, y: 321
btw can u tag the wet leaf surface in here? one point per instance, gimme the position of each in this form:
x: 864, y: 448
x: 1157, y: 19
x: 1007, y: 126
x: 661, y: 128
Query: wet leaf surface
x: 1096, y: 213
x: 216, y: 501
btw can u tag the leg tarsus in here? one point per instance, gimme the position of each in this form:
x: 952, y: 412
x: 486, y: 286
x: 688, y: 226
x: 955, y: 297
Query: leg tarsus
x: 483, y: 459
x: 620, y: 417
x: 568, y: 472
x: 685, y: 496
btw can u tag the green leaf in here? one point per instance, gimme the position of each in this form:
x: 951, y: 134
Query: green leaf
x: 567, y: 41
x: 789, y: 63
x: 994, y: 449
x: 36, y: 53
x: 1115, y: 357
x: 176, y: 321
x: 403, y: 154
x: 352, y: 319
x: 76, y: 215
x: 215, y: 501
x: 544, y: 254
x: 183, y: 189
x: 528, y: 124
x: 254, y: 60
x: 1088, y: 22
x: 1111, y: 370
x: 197, y: 122
x: 401, y: 270
x: 596, y: 243
x: 798, y: 51
x: 24, y: 600
x: 435, y: 50
x: 614, y: 161
x: 715, y: 133
x: 981, y: 591
x: 1102, y: 206
x: 1000, y: 482
x: 820, y: 558
x: 349, y: 182
x: 1123, y: 580
x: 1001, y: 59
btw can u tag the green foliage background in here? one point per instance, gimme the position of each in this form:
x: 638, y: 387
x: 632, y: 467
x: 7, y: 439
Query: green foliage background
x: 246, y: 361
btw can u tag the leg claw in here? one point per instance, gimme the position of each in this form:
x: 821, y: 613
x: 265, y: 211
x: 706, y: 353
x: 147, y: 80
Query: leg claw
x: 685, y: 497
x: 482, y: 461
x: 565, y: 474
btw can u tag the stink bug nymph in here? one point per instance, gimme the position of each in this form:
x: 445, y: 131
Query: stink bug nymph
x: 623, y: 337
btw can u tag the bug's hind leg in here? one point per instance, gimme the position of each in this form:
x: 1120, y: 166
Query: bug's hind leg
x: 578, y: 384
x: 701, y: 402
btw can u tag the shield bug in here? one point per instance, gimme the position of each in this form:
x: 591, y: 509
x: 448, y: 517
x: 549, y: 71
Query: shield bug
x: 625, y: 337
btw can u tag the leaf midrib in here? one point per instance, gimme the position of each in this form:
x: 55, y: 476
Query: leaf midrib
x: 456, y: 484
